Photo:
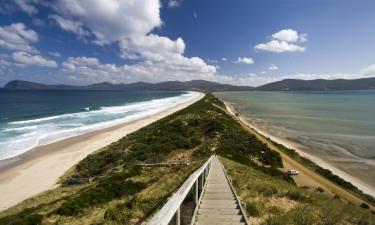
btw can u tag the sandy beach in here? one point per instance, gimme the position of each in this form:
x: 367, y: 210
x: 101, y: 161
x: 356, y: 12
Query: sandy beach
x: 39, y: 169
x: 366, y: 188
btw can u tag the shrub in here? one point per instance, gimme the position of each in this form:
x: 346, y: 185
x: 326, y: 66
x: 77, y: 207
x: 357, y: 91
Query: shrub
x: 252, y: 209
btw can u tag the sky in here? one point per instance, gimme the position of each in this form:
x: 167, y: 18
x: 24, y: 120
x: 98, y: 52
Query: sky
x: 242, y: 42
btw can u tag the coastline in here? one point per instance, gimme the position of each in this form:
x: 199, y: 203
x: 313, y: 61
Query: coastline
x: 39, y: 169
x: 366, y: 188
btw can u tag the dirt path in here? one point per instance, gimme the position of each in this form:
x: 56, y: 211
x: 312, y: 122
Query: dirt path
x: 306, y: 177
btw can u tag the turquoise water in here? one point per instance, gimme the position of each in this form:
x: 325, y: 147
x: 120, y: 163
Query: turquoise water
x: 336, y: 126
x: 32, y: 118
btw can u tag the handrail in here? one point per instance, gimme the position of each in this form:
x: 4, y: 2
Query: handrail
x: 172, y: 207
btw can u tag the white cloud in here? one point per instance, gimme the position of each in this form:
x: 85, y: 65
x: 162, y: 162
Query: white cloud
x: 224, y: 59
x: 17, y: 37
x: 153, y: 47
x: 56, y: 54
x: 244, y: 60
x: 284, y: 41
x: 85, y: 68
x: 27, y: 6
x: 26, y: 58
x: 369, y: 70
x: 129, y: 24
x: 289, y: 35
x: 279, y: 46
x: 70, y: 25
x: 273, y: 67
x: 112, y: 20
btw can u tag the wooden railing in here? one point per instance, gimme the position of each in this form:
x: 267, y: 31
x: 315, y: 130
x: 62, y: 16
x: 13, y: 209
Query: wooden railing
x: 171, y: 210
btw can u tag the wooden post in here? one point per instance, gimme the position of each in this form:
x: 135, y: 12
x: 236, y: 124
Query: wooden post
x: 202, y: 182
x: 196, y: 193
x: 178, y: 216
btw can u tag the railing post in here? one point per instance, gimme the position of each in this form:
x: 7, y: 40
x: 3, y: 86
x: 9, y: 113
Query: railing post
x: 178, y: 216
x: 196, y: 193
x: 202, y: 182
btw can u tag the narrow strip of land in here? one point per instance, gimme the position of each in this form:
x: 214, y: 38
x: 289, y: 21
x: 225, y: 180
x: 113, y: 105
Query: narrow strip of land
x: 307, y: 176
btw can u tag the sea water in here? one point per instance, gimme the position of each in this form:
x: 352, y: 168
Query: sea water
x: 337, y: 126
x: 32, y: 118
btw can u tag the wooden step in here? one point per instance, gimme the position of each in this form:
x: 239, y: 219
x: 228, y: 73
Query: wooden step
x: 218, y: 205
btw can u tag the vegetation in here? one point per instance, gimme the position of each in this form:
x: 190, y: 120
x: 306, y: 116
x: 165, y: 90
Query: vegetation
x: 270, y: 200
x: 121, y: 191
x: 325, y: 173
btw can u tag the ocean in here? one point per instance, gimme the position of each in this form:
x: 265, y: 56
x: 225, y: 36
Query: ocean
x: 32, y: 118
x: 336, y: 126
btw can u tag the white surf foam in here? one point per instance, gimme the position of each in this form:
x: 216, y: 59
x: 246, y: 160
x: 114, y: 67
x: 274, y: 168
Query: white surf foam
x: 41, y: 131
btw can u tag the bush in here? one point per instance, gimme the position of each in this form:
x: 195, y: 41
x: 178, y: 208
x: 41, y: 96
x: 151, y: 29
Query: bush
x: 296, y: 196
x: 365, y: 206
x: 251, y: 209
x: 100, y: 194
x: 119, y: 214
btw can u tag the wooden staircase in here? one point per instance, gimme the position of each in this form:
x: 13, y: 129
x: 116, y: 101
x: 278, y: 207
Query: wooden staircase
x: 218, y: 204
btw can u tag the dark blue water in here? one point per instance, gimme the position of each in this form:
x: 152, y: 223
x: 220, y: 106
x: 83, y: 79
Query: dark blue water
x: 18, y: 105
x: 32, y: 118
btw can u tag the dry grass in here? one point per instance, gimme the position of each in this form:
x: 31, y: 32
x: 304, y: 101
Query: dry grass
x: 269, y: 200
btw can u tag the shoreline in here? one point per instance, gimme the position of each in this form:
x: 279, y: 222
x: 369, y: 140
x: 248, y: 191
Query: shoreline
x: 40, y: 168
x: 366, y: 188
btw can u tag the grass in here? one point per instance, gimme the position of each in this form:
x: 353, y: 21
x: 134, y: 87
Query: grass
x: 271, y: 200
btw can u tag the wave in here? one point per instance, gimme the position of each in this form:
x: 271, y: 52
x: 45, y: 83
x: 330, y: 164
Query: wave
x: 42, y: 131
x: 36, y: 120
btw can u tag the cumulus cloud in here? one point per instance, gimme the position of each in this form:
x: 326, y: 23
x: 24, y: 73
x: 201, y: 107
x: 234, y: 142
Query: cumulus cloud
x: 112, y: 20
x: 17, y: 37
x: 26, y: 58
x: 289, y: 35
x: 27, y: 6
x: 273, y: 67
x: 284, y: 41
x: 244, y: 60
x: 224, y: 59
x: 129, y: 24
x: 369, y: 70
x: 82, y: 68
x: 70, y: 25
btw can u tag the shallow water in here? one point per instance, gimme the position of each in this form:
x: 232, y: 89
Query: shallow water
x: 33, y: 118
x: 336, y: 126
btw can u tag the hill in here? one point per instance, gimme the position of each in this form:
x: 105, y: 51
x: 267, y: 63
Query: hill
x: 197, y: 85
x: 319, y: 85
x: 111, y: 187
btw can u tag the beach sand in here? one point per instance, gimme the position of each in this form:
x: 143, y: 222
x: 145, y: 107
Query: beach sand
x: 366, y: 188
x: 39, y: 169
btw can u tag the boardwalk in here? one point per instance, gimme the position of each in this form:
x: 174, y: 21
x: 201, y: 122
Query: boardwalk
x: 218, y: 204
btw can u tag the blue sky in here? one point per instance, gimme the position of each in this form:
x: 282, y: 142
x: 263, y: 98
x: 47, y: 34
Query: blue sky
x: 245, y: 42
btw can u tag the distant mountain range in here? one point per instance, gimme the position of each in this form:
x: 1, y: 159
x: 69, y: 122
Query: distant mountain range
x: 194, y: 85
x: 319, y: 85
x: 202, y: 85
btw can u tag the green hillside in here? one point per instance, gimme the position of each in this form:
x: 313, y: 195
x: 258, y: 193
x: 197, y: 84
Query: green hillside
x: 111, y: 187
